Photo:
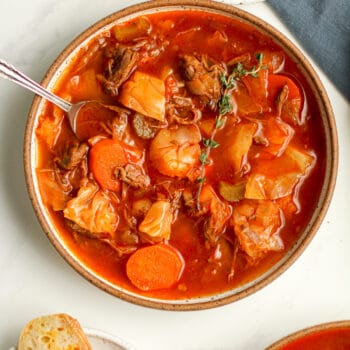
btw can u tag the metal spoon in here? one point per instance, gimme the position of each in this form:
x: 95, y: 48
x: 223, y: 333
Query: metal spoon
x: 11, y: 73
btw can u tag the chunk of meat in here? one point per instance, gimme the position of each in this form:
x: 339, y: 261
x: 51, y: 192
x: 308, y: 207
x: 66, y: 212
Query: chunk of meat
x: 145, y: 94
x: 292, y: 111
x: 287, y: 97
x: 257, y: 225
x: 218, y: 214
x: 93, y: 210
x: 143, y: 127
x: 281, y: 99
x: 122, y: 61
x: 72, y: 155
x: 123, y: 248
x: 183, y: 111
x: 175, y: 152
x: 71, y: 166
x: 133, y: 174
x: 119, y: 123
x: 157, y: 223
x: 202, y: 78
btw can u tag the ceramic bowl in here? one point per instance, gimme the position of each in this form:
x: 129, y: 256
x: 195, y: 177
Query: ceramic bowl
x: 103, y: 341
x: 330, y: 331
x: 330, y: 160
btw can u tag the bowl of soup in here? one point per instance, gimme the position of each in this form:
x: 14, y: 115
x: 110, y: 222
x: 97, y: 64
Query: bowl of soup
x: 202, y: 165
x: 325, y: 336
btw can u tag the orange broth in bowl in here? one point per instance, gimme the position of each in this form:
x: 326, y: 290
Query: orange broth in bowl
x: 206, y: 145
x: 329, y: 339
x: 326, y: 336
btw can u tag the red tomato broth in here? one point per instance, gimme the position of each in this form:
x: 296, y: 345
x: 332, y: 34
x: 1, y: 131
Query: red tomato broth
x: 199, y: 278
x: 329, y: 339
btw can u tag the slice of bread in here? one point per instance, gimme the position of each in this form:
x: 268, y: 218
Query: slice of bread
x: 53, y: 332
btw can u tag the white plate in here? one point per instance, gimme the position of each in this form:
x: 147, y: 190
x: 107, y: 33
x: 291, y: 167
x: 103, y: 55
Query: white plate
x: 103, y: 341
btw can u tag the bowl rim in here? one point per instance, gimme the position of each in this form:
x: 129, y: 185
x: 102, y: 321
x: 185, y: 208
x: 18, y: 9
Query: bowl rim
x: 290, y: 338
x: 330, y: 169
x: 108, y: 338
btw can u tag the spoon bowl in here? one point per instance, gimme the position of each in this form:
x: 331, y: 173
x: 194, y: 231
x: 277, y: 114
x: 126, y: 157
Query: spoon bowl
x: 9, y: 72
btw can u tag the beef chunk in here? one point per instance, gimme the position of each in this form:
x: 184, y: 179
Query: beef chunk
x: 121, y: 63
x: 202, y: 78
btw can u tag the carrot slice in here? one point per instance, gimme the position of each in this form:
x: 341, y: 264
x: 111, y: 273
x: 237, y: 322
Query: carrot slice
x: 104, y: 157
x: 155, y: 267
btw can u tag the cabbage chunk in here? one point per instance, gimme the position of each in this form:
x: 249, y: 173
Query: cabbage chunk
x: 157, y: 222
x: 92, y: 210
x: 277, y: 178
x: 52, y: 193
x: 257, y: 225
x: 239, y: 142
x: 145, y: 94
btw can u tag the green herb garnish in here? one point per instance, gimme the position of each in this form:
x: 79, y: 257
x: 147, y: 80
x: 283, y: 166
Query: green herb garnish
x: 201, y: 179
x: 204, y: 158
x: 210, y: 143
x: 225, y: 105
x: 229, y: 84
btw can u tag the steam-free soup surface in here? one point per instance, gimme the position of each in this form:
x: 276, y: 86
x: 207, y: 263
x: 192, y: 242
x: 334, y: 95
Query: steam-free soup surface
x: 329, y: 339
x: 200, y: 163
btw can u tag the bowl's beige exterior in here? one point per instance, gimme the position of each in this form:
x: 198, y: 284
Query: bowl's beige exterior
x: 327, y: 118
x: 308, y: 331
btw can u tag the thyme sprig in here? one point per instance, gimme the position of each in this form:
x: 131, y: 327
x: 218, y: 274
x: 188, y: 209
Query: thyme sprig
x: 229, y: 84
x: 224, y: 104
x: 238, y: 72
x: 210, y: 143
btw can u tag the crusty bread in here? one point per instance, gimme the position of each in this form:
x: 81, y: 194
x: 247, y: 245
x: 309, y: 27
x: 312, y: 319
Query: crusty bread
x: 53, y: 332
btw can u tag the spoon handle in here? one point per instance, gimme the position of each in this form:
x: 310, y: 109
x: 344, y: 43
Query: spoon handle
x: 11, y: 73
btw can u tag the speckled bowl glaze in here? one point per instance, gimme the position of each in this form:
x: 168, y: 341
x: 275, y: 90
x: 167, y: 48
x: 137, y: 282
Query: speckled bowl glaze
x: 323, y: 327
x: 330, y: 139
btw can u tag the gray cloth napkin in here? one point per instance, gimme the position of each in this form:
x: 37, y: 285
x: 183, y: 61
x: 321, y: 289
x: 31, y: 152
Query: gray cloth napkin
x: 323, y: 28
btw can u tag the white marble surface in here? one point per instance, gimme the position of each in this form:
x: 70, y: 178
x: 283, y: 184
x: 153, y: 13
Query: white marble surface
x: 35, y: 280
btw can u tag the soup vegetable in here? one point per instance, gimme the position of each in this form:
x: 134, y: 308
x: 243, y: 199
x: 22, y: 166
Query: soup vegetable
x: 196, y: 166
